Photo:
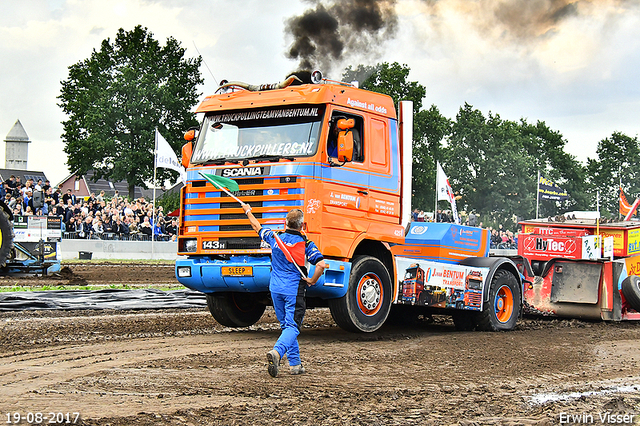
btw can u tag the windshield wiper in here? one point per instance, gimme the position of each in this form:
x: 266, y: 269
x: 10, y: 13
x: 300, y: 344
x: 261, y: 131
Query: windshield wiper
x: 223, y: 160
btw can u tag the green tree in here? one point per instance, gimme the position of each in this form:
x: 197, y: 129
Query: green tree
x: 169, y: 201
x: 616, y: 166
x: 493, y: 164
x: 116, y: 99
x: 487, y: 167
x: 390, y: 79
x: 546, y: 148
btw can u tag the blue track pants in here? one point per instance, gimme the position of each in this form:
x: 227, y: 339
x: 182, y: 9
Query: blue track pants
x: 290, y: 312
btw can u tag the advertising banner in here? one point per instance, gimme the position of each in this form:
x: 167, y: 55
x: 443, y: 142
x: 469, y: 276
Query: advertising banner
x: 439, y: 285
x: 36, y: 228
x: 548, y: 190
x: 543, y: 247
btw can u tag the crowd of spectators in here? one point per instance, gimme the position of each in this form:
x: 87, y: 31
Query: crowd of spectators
x: 503, y: 239
x: 500, y: 238
x: 95, y: 217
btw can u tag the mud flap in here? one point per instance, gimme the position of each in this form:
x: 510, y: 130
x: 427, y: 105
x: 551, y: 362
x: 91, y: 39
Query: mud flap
x: 576, y: 282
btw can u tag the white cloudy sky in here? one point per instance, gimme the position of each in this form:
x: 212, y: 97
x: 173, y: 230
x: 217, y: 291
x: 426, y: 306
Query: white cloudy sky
x: 574, y: 64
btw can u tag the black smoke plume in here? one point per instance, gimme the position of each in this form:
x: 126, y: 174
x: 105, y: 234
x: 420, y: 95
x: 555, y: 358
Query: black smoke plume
x: 329, y: 33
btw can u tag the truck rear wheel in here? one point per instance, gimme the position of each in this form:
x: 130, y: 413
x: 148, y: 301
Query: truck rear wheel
x: 631, y: 291
x: 235, y: 309
x: 503, y: 309
x: 366, y: 305
x: 6, y: 238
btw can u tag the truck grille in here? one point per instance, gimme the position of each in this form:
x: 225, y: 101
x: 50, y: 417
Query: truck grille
x: 236, y: 216
x: 241, y: 243
x: 211, y: 215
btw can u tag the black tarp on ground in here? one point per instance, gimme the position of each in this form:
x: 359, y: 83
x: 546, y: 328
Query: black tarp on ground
x: 101, y: 299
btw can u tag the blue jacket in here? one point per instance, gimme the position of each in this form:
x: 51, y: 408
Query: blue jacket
x: 285, y: 278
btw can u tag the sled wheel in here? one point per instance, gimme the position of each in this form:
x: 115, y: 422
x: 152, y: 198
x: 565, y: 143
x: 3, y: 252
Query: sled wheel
x: 366, y: 305
x: 6, y: 236
x: 631, y: 291
x: 503, y: 309
x: 235, y: 309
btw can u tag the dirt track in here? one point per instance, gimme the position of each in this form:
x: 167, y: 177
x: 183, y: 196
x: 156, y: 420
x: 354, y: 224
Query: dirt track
x: 181, y: 368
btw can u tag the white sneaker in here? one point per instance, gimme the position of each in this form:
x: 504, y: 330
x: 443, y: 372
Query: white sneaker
x: 297, y: 369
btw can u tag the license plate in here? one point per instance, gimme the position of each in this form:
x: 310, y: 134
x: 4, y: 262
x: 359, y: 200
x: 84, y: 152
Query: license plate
x: 213, y: 245
x: 237, y: 271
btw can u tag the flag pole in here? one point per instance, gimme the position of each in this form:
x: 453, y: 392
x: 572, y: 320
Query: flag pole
x: 435, y: 209
x: 537, y: 194
x: 598, y: 210
x: 284, y: 248
x: 153, y: 206
x: 620, y: 177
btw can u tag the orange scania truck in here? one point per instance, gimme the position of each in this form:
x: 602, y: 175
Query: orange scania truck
x: 343, y: 156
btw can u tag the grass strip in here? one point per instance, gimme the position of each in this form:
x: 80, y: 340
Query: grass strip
x: 119, y: 261
x: 16, y: 288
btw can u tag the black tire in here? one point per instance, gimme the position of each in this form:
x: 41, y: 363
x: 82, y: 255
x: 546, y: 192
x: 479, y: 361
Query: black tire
x: 631, y: 291
x: 366, y: 305
x: 6, y: 236
x: 235, y: 309
x: 503, y: 309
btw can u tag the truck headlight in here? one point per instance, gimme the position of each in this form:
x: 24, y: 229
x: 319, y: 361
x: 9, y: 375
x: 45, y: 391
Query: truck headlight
x: 190, y: 245
x: 184, y: 271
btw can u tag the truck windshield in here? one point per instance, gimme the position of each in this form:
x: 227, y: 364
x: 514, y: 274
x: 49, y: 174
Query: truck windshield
x: 411, y: 273
x: 282, y: 132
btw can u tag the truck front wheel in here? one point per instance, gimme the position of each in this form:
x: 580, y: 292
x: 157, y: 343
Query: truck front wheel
x: 503, y: 309
x: 366, y: 305
x: 235, y: 309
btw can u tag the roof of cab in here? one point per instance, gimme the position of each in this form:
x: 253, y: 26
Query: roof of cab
x: 364, y: 100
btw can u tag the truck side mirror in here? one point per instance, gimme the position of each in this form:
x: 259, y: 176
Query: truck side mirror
x: 345, y: 139
x: 190, y: 135
x: 187, y: 148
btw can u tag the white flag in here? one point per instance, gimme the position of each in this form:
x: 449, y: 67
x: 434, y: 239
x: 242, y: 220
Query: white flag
x: 166, y: 157
x: 442, y: 183
x: 445, y: 192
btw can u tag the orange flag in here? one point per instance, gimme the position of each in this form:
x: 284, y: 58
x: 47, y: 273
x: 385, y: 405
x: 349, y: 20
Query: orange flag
x: 625, y: 207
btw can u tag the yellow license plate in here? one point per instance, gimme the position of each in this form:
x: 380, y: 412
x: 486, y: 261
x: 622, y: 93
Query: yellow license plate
x: 237, y: 271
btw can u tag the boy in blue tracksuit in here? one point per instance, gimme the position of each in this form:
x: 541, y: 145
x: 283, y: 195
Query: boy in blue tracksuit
x: 287, y: 285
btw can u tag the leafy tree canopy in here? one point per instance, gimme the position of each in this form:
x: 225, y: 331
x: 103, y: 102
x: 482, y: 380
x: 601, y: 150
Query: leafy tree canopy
x: 616, y: 166
x: 390, y: 79
x: 116, y: 99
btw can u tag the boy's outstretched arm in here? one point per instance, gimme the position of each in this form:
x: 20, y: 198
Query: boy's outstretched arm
x: 252, y: 219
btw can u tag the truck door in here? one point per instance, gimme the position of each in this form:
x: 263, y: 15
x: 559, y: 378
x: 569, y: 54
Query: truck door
x: 345, y: 186
x: 383, y: 164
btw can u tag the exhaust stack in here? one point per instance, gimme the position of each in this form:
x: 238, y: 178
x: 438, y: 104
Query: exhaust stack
x: 405, y: 118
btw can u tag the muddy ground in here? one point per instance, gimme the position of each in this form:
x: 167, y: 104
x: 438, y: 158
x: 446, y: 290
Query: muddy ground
x: 179, y: 367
